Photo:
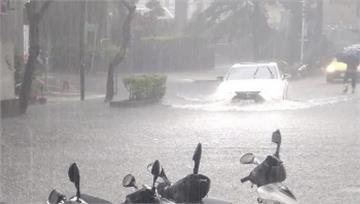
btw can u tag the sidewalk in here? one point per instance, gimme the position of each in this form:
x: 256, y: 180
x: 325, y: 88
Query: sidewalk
x: 95, y: 83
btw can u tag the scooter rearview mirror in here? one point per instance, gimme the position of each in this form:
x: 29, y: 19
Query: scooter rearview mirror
x: 74, y: 176
x: 276, y: 137
x: 196, y: 158
x: 129, y: 181
x: 55, y: 197
x: 155, y: 171
x: 162, y: 172
x: 247, y: 158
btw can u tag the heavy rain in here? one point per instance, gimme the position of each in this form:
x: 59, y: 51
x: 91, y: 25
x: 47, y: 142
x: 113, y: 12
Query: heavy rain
x: 180, y: 101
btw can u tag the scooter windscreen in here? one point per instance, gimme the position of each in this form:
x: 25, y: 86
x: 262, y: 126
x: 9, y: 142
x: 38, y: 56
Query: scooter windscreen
x: 190, y: 189
x: 271, y: 170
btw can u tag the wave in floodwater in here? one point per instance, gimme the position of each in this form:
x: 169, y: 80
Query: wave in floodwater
x: 209, y: 103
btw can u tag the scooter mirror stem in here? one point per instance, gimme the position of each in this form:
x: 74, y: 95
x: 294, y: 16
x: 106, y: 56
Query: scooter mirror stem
x: 164, y: 177
x: 277, y: 153
x: 276, y: 138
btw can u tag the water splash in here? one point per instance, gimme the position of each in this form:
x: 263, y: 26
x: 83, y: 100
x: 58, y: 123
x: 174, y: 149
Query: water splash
x: 210, y: 103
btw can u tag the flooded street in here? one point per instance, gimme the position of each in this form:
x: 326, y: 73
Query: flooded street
x: 115, y: 85
x: 320, y: 143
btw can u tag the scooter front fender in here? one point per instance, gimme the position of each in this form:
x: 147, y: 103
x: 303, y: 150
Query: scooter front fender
x: 276, y: 192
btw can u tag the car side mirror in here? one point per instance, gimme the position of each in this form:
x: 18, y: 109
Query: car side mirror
x: 247, y: 158
x: 286, y: 76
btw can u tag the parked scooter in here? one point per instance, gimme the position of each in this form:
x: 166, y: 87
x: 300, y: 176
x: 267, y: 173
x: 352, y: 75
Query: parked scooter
x: 268, y: 176
x: 146, y: 194
x: 74, y: 175
x: 193, y: 188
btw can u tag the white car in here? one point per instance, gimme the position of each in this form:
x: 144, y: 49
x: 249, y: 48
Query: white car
x: 254, y: 81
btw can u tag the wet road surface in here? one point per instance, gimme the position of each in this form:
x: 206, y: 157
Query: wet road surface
x: 320, y: 143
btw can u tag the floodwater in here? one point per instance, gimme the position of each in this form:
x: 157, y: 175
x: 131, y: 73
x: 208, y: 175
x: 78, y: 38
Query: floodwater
x: 320, y: 143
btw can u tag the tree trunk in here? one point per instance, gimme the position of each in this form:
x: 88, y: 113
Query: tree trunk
x: 33, y: 54
x: 120, y: 56
x: 255, y: 29
x: 34, y: 49
x: 110, y: 83
x: 82, y: 49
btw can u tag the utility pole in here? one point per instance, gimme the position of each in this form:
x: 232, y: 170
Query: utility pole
x: 302, y: 39
x: 82, y: 47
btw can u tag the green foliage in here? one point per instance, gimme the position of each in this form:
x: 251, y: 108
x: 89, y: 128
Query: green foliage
x: 155, y: 8
x: 37, y: 89
x: 145, y: 86
x: 231, y: 20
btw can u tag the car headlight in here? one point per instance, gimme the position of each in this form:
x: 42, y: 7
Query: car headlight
x: 330, y: 69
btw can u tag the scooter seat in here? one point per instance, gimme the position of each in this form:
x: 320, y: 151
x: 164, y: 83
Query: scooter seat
x: 92, y: 200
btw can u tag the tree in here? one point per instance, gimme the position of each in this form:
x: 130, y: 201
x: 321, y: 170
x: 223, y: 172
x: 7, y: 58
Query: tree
x: 233, y: 20
x: 155, y: 8
x: 34, y: 17
x: 260, y: 29
x: 120, y: 56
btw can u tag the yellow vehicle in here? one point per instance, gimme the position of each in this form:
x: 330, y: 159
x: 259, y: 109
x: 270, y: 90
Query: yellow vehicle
x: 336, y: 70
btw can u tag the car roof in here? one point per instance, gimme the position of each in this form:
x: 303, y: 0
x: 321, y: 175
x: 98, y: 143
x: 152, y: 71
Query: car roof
x: 247, y: 64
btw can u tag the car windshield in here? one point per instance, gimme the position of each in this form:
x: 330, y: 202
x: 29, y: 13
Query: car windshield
x: 252, y: 72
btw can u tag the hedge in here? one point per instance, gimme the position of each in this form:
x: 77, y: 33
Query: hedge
x: 145, y: 86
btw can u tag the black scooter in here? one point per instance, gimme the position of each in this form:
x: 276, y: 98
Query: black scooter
x: 268, y: 176
x: 146, y: 194
x: 193, y: 188
x: 74, y: 175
